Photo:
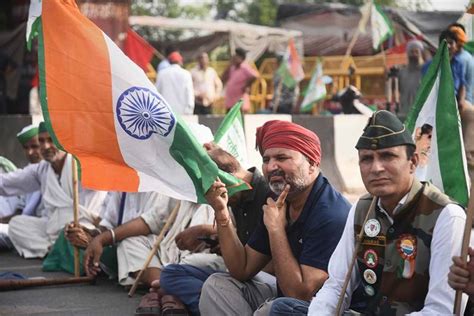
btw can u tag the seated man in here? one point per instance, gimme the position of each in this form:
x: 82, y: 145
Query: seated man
x: 184, y: 280
x: 120, y: 207
x: 413, y: 228
x: 31, y: 202
x: 31, y: 236
x: 8, y: 206
x: 298, y: 232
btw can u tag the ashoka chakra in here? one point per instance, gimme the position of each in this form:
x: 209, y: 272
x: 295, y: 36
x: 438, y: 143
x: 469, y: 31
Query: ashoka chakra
x: 142, y: 112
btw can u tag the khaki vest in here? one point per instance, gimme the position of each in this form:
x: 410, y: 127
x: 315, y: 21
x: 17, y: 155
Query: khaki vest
x: 394, y: 260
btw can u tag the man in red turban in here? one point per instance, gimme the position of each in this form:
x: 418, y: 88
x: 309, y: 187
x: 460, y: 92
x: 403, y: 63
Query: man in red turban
x: 298, y: 232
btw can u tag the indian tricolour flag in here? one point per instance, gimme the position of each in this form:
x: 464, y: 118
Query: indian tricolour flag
x: 230, y: 135
x: 102, y: 108
x: 435, y: 112
x: 291, y: 69
x: 381, y: 26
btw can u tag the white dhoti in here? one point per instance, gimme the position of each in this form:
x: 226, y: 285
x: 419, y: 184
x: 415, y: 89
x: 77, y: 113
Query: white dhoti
x: 5, y: 242
x: 31, y: 236
x: 28, y: 236
x: 132, y: 252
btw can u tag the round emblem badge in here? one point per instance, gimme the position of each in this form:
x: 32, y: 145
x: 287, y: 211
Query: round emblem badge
x: 406, y: 246
x: 372, y: 227
x: 369, y: 290
x: 370, y: 276
x: 142, y: 113
x: 371, y: 259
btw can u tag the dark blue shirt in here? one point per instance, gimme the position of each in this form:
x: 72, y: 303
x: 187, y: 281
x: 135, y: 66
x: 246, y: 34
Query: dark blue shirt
x: 315, y: 234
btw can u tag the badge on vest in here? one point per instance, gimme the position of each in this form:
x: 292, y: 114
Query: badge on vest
x: 372, y: 227
x: 370, y: 276
x: 371, y: 259
x: 406, y: 246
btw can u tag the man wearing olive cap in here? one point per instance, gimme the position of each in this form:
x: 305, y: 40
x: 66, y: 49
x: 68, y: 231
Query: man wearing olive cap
x: 408, y: 238
x: 298, y: 231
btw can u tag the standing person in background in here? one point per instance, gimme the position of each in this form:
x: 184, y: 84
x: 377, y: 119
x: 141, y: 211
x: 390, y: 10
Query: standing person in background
x: 409, y: 77
x: 207, y: 85
x: 175, y: 84
x: 238, y: 78
x: 165, y: 62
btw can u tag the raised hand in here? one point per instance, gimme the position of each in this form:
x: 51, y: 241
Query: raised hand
x: 217, y: 196
x: 274, y: 212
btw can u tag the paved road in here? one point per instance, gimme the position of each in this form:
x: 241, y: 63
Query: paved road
x: 106, y: 297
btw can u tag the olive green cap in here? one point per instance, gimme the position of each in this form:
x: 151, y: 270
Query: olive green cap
x: 384, y: 130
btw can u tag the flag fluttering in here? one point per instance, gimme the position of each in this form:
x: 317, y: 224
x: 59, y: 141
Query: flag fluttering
x: 101, y: 107
x: 316, y: 89
x: 230, y: 135
x: 291, y: 69
x: 381, y: 26
x: 138, y: 50
x: 436, y: 125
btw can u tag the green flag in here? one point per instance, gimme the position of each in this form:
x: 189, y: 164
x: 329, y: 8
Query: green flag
x: 316, y: 89
x: 380, y: 25
x: 442, y: 161
x: 230, y: 135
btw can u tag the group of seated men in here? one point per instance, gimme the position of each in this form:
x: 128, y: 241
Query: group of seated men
x: 291, y: 245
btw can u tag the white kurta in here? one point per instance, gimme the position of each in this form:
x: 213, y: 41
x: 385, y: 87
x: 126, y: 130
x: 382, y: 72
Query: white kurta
x: 176, y: 85
x: 32, y: 236
x: 132, y: 252
x: 135, y: 204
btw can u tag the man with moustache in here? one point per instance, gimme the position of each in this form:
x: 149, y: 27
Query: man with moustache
x: 298, y: 232
x: 33, y: 236
x: 409, y: 235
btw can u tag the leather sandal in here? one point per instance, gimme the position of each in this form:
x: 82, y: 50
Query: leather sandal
x: 172, y: 306
x: 149, y: 305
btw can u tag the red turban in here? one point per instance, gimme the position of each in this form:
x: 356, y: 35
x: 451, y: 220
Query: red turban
x: 282, y: 134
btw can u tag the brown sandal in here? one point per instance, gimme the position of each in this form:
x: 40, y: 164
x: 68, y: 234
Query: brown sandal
x: 149, y: 305
x: 172, y: 306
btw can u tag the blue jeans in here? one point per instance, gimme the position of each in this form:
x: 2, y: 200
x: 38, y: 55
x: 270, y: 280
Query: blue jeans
x: 285, y: 306
x: 185, y: 282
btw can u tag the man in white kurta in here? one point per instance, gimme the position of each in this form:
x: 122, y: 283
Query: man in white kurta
x: 32, y: 236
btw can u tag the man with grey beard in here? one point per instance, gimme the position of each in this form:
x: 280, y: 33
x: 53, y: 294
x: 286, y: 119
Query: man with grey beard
x: 298, y: 232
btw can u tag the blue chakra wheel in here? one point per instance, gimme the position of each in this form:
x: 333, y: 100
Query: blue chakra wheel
x: 141, y: 113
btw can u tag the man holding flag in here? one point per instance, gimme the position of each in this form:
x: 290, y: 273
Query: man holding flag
x: 33, y: 236
x: 298, y: 232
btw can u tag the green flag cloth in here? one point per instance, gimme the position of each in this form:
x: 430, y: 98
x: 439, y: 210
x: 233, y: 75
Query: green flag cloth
x: 436, y: 108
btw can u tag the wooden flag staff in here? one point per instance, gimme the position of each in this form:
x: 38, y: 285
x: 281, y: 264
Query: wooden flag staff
x: 153, y: 251
x: 75, y: 207
x: 465, y: 246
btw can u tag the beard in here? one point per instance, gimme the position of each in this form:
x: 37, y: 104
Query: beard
x: 297, y: 182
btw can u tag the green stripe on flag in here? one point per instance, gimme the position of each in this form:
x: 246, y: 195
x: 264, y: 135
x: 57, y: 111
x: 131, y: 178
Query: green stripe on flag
x: 202, y: 170
x: 450, y: 150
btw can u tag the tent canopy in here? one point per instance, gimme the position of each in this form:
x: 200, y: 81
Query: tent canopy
x: 255, y: 39
x: 329, y: 27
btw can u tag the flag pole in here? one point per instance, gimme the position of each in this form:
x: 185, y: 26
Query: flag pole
x: 276, y: 104
x: 75, y: 195
x: 465, y: 246
x: 156, y: 245
x: 354, y: 257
